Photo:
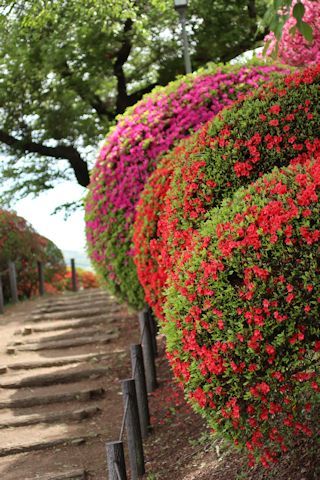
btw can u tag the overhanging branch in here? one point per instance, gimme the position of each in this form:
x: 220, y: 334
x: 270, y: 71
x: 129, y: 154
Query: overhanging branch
x: 65, y: 152
x: 82, y: 89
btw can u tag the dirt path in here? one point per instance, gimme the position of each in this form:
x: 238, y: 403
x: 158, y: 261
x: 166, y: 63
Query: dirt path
x: 61, y: 360
x: 60, y: 364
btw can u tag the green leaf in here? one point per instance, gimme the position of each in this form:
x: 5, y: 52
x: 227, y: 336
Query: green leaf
x: 306, y: 31
x: 298, y: 11
x: 293, y: 30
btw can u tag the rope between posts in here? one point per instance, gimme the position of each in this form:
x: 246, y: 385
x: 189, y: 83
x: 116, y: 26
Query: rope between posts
x: 124, y: 419
x: 117, y: 470
x: 142, y: 333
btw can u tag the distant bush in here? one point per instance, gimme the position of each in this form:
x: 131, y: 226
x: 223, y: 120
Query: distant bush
x: 242, y: 313
x: 21, y: 244
x: 85, y: 279
x: 131, y: 152
x: 54, y: 264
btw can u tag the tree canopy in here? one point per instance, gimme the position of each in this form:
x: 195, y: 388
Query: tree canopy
x: 68, y: 68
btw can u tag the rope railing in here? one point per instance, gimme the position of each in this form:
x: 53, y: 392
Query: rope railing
x: 136, y: 417
x: 134, y: 369
x: 123, y: 423
x: 117, y: 471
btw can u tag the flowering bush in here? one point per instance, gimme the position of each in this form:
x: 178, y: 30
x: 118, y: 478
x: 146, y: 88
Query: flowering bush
x: 276, y: 125
x: 131, y: 153
x: 151, y: 254
x: 21, y: 244
x: 54, y: 264
x: 85, y: 279
x: 88, y: 279
x: 242, y: 314
x: 293, y: 49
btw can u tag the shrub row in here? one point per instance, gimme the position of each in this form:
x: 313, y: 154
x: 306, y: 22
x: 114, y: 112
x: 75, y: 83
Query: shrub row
x: 21, y: 244
x: 276, y: 125
x: 229, y: 257
x: 132, y: 151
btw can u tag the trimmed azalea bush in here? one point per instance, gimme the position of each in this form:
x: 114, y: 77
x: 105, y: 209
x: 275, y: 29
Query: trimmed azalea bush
x: 131, y: 152
x: 85, y: 279
x: 20, y: 243
x: 293, y: 48
x: 242, y: 314
x: 274, y: 126
x: 54, y: 264
x: 149, y: 244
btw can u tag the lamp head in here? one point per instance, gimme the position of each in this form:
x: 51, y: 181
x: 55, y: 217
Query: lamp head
x: 180, y: 4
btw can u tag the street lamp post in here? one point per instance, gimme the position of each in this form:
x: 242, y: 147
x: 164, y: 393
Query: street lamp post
x: 181, y: 7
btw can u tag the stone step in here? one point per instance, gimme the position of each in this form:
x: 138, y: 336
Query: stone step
x: 62, y: 375
x: 78, y: 297
x: 74, y: 314
x: 103, y: 304
x: 7, y: 421
x: 64, y: 335
x: 62, y: 324
x: 57, y: 362
x: 40, y: 437
x: 72, y: 394
x: 70, y: 475
x: 62, y: 344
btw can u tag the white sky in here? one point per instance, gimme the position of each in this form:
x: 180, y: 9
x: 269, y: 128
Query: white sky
x: 67, y: 234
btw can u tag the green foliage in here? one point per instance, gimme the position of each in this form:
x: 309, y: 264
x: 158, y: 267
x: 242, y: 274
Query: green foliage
x: 279, y: 12
x: 19, y: 243
x: 68, y: 68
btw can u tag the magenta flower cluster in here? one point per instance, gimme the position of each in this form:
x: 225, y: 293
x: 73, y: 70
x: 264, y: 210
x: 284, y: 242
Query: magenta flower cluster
x: 293, y: 49
x: 131, y: 152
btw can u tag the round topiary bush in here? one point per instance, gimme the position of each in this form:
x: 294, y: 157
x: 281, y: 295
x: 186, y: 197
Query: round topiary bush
x: 54, y: 264
x: 293, y: 48
x: 19, y: 244
x: 150, y: 253
x: 276, y: 125
x: 242, y: 314
x: 131, y: 152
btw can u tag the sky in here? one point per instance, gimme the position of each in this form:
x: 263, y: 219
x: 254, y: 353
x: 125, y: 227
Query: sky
x: 66, y: 234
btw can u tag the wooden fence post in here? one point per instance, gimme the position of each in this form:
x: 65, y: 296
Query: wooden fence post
x: 135, y: 446
x: 1, y: 297
x: 74, y: 275
x: 115, y: 461
x: 41, y: 278
x: 153, y: 328
x: 141, y: 389
x: 148, y: 353
x: 13, y: 282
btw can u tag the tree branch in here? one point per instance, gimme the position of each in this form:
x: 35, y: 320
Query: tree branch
x: 122, y: 57
x: 247, y: 44
x: 82, y: 89
x: 65, y: 152
x: 252, y: 10
x: 136, y: 96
